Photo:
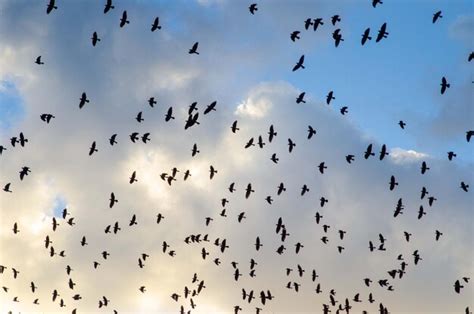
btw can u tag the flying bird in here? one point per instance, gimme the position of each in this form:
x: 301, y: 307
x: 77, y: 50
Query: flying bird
x: 253, y: 8
x: 194, y: 48
x: 366, y: 36
x: 95, y: 38
x: 108, y: 6
x: 437, y: 16
x: 123, y: 19
x: 444, y: 85
x: 51, y: 5
x: 382, y: 33
x: 299, y: 64
x: 156, y: 24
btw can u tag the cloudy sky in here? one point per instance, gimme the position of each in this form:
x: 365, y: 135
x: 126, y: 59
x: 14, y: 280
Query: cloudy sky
x: 245, y: 64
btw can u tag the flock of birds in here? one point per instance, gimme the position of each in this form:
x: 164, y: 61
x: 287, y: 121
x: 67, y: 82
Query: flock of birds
x: 188, y: 296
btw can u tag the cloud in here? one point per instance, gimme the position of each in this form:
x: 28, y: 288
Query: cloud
x: 400, y: 155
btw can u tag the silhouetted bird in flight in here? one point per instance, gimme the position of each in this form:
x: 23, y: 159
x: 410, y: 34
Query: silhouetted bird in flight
x: 83, y: 100
x: 330, y: 97
x: 291, y: 145
x: 152, y: 101
x: 375, y: 2
x: 211, y: 107
x: 92, y: 149
x: 234, y: 127
x: 451, y: 155
x: 112, y: 200
x: 123, y: 19
x: 95, y: 39
x: 424, y: 167
x: 51, y: 5
x: 307, y: 23
x: 156, y: 24
x: 392, y: 183
x: 365, y: 36
x: 321, y: 167
x: 317, y: 22
x: 194, y: 48
x: 344, y: 110
x: 272, y: 133
x: 337, y: 36
x: 444, y: 85
x: 15, y: 228
x: 169, y: 114
x: 38, y: 60
x: 6, y: 188
x: 108, y: 6
x: 382, y: 33
x: 295, y: 35
x: 469, y: 134
x: 46, y: 117
x: 350, y: 158
x: 133, y: 177
x: 24, y: 172
x: 383, y: 152
x: 300, y: 98
x: 299, y: 64
x: 458, y: 286
x: 436, y: 16
x: 464, y: 186
x: 334, y: 19
x: 311, y: 132
x: 112, y: 140
x: 253, y: 8
x: 368, y: 152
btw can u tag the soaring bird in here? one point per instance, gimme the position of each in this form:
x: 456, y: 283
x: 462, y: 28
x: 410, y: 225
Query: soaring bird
x: 444, y: 85
x: 253, y: 8
x: 437, y: 16
x: 123, y: 19
x: 375, y: 2
x: 38, y: 60
x: 108, y: 6
x: 92, y: 149
x: 382, y: 33
x: 295, y: 35
x: 156, y: 24
x: 194, y: 48
x: 83, y: 100
x: 366, y: 36
x: 299, y: 64
x: 51, y: 5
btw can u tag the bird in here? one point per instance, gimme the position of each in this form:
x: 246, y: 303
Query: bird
x: 291, y: 145
x: 152, y: 101
x: 451, y: 155
x: 156, y: 24
x: 93, y: 148
x: 83, y: 100
x: 382, y: 33
x: 317, y: 22
x: 311, y: 132
x: 300, y: 98
x: 112, y: 140
x: 458, y: 286
x: 344, y: 110
x: 95, y: 38
x: 113, y: 200
x: 234, y: 127
x: 123, y: 19
x: 24, y: 172
x: 437, y: 16
x: 133, y: 177
x: 392, y: 183
x: 321, y: 167
x: 194, y: 48
x: 350, y: 158
x: 169, y: 114
x: 211, y: 107
x: 337, y: 36
x: 424, y: 167
x: 51, y: 5
x: 38, y: 61
x: 46, y: 117
x: 383, y: 152
x: 253, y: 8
x: 375, y: 2
x: 15, y: 228
x: 368, y: 152
x: 366, y: 36
x: 444, y: 85
x: 139, y: 117
x: 334, y: 19
x: 299, y: 64
x: 272, y: 133
x: 402, y: 124
x: 469, y: 134
x: 108, y: 6
x: 295, y: 35
x: 464, y: 186
x: 6, y: 188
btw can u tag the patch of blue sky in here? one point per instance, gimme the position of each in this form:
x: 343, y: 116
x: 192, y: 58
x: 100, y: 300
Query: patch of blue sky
x: 11, y: 106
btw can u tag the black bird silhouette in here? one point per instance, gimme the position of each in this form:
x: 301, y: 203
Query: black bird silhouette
x: 382, y: 33
x: 108, y: 6
x: 195, y: 150
x: 321, y: 167
x: 253, y: 8
x: 368, y: 152
x: 249, y: 143
x: 211, y: 107
x: 375, y: 2
x: 139, y: 117
x: 365, y: 36
x: 156, y: 24
x: 337, y: 36
x: 46, y: 117
x: 93, y: 149
x: 38, y: 60
x: 83, y: 100
x: 133, y: 177
x: 464, y: 186
x: 458, y: 286
x: 95, y: 39
x: 24, y: 172
x: 402, y: 124
x: 317, y: 22
x: 112, y: 200
x: 212, y: 172
x: 169, y: 114
x: 383, y: 152
x: 112, y: 140
x: 300, y: 98
x: 307, y: 23
x: 392, y: 183
x: 6, y: 188
x: 469, y: 134
x: 444, y: 85
x: 123, y: 19
x: 311, y: 132
x: 234, y: 127
x: 2, y: 148
x: 344, y: 110
x: 334, y: 19
x: 295, y: 35
x: 438, y: 234
x: 152, y: 101
x: 299, y: 64
x: 437, y: 16
x: 330, y: 97
x: 291, y: 145
x: 451, y: 155
x: 145, y: 137
x: 51, y: 6
x: 15, y: 228
x: 248, y: 190
x: 398, y: 209
x: 424, y: 167
x: 272, y: 133
x: 194, y: 48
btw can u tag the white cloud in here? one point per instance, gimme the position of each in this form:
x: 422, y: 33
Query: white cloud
x: 401, y: 156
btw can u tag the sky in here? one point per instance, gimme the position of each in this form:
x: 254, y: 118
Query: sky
x: 245, y: 64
